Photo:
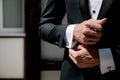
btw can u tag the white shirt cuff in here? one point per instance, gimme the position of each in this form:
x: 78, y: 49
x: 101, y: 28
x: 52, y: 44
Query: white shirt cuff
x: 106, y: 60
x: 69, y: 36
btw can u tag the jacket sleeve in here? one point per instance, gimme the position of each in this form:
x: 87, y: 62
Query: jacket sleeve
x: 51, y: 28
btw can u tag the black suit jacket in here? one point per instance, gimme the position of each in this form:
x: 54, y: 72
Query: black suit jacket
x: 52, y: 31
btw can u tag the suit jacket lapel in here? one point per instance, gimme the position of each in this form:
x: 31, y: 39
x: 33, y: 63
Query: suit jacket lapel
x: 84, y: 8
x: 104, y: 8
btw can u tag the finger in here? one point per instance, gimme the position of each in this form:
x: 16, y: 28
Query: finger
x: 95, y: 27
x: 78, y: 64
x: 93, y: 37
x: 89, y: 43
x: 102, y: 21
x: 73, y: 53
x: 94, y: 33
x: 80, y: 47
x: 77, y: 60
x: 75, y: 47
x: 73, y: 59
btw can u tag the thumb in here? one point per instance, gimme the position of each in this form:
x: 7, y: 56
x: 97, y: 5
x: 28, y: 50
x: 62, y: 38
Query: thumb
x: 102, y: 21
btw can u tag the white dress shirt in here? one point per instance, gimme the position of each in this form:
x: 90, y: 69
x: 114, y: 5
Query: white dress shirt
x: 106, y: 58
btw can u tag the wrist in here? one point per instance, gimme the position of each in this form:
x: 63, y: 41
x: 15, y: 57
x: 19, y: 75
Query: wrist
x: 75, y: 33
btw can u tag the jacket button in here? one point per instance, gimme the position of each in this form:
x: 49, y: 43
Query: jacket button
x: 109, y: 68
x: 67, y: 44
x: 56, y: 43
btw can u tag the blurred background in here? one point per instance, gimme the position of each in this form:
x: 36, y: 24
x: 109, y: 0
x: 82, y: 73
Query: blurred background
x: 23, y: 55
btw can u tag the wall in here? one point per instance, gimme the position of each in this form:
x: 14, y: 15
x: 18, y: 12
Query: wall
x: 11, y: 58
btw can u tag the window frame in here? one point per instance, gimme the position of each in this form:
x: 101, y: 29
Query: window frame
x: 11, y: 30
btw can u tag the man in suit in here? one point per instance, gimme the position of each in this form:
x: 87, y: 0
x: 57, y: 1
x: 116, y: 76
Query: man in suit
x: 90, y: 39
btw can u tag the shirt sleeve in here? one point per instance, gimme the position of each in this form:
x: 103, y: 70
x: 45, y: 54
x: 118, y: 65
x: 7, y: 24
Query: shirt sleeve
x: 106, y: 60
x: 69, y: 36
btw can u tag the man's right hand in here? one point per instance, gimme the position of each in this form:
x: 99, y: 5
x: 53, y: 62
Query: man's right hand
x: 84, y: 56
x: 89, y: 31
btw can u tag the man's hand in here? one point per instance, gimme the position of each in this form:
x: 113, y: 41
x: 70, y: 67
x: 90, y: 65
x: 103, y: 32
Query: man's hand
x: 84, y: 56
x: 88, y: 32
